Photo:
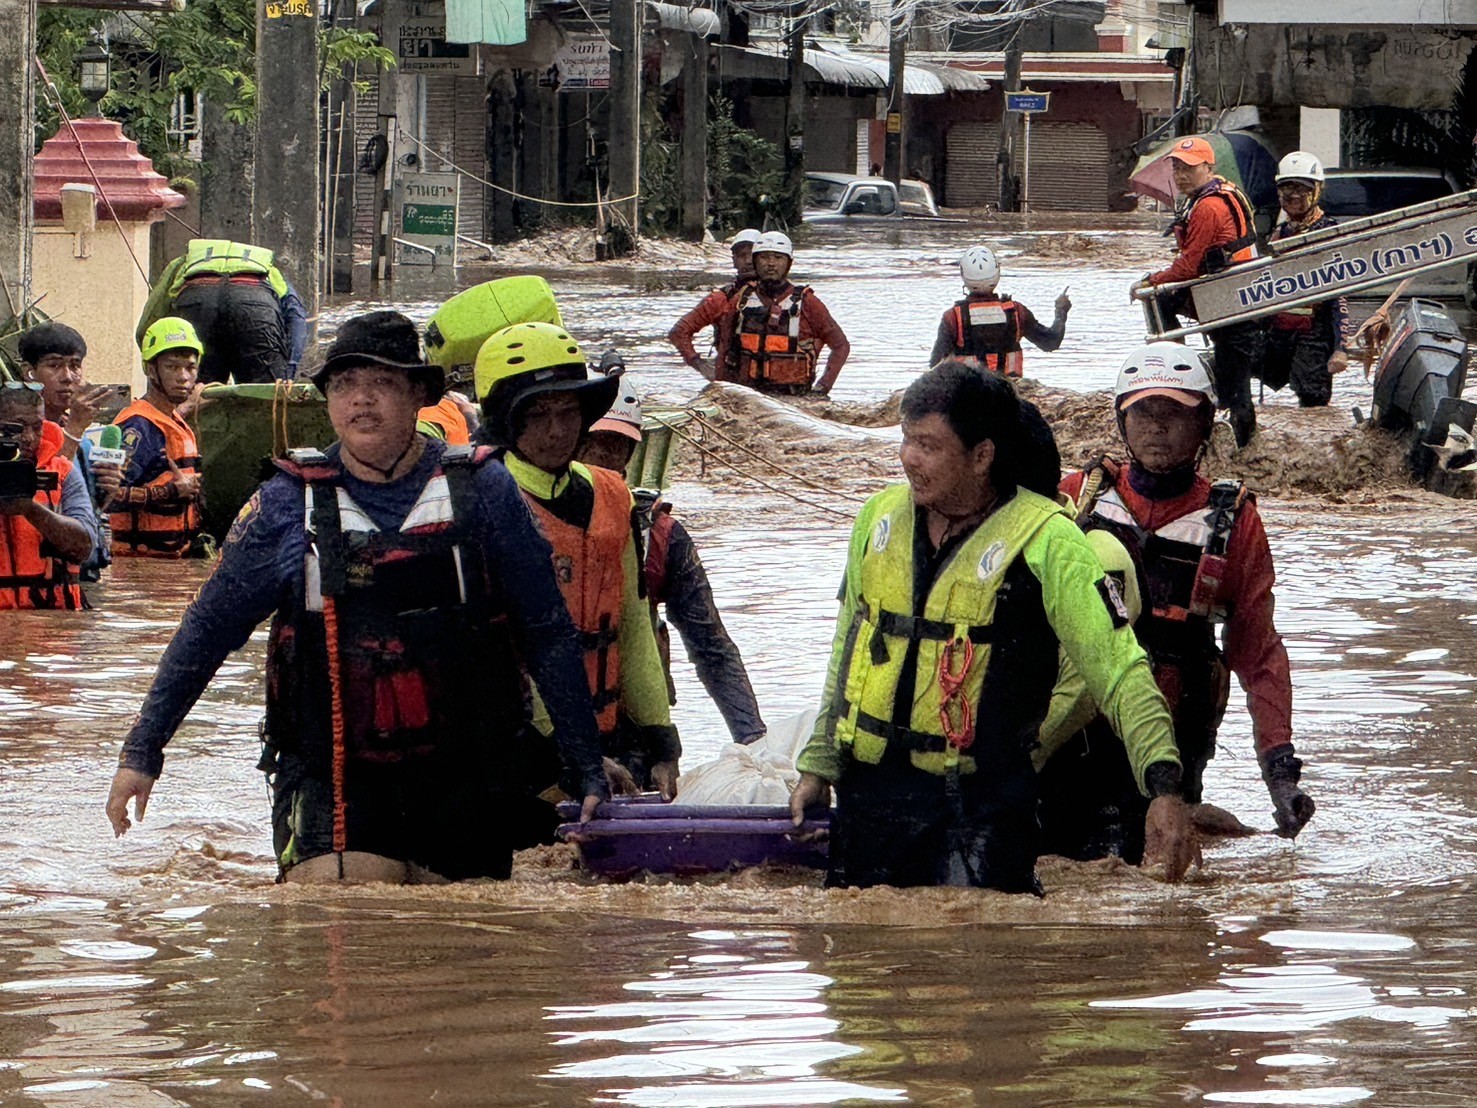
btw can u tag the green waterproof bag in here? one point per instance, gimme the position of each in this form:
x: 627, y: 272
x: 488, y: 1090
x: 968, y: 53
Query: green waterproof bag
x: 461, y: 325
x: 240, y: 428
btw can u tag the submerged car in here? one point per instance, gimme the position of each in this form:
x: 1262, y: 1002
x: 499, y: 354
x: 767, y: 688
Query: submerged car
x: 846, y: 197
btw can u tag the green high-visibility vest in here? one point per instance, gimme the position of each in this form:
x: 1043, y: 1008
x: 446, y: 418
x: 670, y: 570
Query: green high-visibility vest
x: 221, y: 257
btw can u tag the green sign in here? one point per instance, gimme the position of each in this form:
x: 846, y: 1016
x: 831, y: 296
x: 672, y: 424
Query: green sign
x: 430, y: 219
x: 426, y: 218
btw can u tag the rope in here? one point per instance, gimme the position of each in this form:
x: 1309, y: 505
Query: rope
x: 335, y: 684
x: 71, y: 130
x: 757, y: 480
x: 775, y: 465
x: 513, y: 192
x: 281, y: 396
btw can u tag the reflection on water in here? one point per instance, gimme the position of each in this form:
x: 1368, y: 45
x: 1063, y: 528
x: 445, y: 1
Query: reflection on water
x: 167, y: 968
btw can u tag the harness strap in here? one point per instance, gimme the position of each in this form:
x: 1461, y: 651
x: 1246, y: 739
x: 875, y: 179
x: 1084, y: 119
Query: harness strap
x: 599, y: 640
x: 1225, y: 499
x: 328, y: 534
x: 920, y: 741
x: 916, y: 628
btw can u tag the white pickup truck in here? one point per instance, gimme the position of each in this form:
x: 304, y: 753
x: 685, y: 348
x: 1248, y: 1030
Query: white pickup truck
x: 845, y: 197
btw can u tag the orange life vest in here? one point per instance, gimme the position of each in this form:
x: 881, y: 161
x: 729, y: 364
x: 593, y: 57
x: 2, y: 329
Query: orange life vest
x: 987, y: 330
x: 447, y: 415
x: 160, y: 530
x: 32, y: 574
x: 588, y: 563
x: 1242, y: 248
x: 770, y: 348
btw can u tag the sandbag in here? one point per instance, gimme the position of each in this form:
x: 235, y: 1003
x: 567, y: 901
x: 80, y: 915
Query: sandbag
x: 235, y: 428
x: 461, y: 325
x: 762, y: 772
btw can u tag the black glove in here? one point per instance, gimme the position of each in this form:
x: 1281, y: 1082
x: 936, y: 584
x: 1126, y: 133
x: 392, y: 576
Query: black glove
x: 1291, y: 807
x: 612, y: 364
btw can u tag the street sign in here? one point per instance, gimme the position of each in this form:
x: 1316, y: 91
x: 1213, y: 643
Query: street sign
x: 420, y: 46
x: 426, y: 215
x: 1027, y: 101
x: 581, y: 64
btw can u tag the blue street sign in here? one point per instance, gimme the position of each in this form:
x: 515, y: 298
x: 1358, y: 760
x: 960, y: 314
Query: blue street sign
x: 1027, y: 101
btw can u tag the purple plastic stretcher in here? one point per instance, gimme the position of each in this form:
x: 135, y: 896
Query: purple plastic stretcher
x: 631, y: 834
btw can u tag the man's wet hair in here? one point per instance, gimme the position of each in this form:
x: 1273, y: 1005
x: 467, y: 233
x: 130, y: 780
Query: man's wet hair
x: 977, y: 405
x: 49, y: 338
x: 1040, y: 465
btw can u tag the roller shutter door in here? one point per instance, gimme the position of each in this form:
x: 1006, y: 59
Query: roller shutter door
x: 1069, y: 168
x: 456, y: 128
x: 970, y: 149
x: 366, y: 125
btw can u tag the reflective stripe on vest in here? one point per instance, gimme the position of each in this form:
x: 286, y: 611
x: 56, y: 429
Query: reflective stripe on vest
x: 224, y: 258
x: 987, y: 331
x: 960, y: 607
x: 31, y: 573
x: 770, y: 347
x: 160, y: 530
x: 589, y: 563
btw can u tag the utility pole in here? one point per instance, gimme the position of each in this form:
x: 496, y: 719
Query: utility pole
x: 897, y: 118
x: 287, y: 198
x: 795, y: 120
x: 17, y: 122
x: 624, y: 141
x: 1010, y: 122
x: 226, y: 188
x: 695, y: 139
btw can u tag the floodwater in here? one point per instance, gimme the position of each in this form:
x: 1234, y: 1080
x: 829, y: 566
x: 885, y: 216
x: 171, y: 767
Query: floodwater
x: 167, y: 968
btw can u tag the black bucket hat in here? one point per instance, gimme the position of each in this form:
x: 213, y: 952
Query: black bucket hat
x: 386, y: 339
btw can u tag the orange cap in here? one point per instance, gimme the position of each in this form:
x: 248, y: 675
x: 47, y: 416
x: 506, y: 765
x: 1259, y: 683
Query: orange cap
x: 1193, y: 151
x: 1184, y: 396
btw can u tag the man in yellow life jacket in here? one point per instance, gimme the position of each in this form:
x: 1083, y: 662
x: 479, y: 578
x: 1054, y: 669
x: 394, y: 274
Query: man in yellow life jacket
x: 538, y: 402
x: 986, y: 327
x: 47, y: 524
x: 253, y: 322
x: 156, y: 512
x: 960, y: 587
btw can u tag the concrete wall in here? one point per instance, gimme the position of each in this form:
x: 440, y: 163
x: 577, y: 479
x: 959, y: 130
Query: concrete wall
x: 1440, y: 13
x: 101, y: 295
x: 1304, y: 65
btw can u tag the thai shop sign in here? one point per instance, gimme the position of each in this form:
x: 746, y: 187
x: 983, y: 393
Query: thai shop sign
x: 426, y: 216
x: 420, y: 46
x: 580, y: 64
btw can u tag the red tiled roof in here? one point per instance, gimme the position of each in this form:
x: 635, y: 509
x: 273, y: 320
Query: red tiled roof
x: 138, y: 194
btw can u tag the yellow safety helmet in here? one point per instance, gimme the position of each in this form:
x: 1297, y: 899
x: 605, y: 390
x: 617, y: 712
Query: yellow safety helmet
x: 169, y: 333
x: 526, y: 360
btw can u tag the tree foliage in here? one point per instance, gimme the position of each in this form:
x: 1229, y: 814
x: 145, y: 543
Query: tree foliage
x: 209, y: 50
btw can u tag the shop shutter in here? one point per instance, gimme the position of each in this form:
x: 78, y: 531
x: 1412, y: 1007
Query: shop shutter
x: 456, y: 126
x: 1069, y: 168
x: 969, y: 171
x: 366, y: 125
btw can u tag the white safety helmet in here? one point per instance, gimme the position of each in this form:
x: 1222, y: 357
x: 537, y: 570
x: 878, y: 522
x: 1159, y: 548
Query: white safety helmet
x: 1300, y: 166
x: 774, y: 242
x: 624, y: 416
x: 747, y: 235
x: 980, y: 269
x: 1163, y: 369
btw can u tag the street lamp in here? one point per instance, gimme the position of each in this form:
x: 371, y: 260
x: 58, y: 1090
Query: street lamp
x: 94, y: 74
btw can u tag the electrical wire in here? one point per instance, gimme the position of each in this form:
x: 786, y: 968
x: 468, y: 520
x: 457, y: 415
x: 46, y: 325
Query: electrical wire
x: 514, y: 192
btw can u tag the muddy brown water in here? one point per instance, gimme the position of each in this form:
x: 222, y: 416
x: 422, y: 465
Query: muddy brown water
x: 167, y: 967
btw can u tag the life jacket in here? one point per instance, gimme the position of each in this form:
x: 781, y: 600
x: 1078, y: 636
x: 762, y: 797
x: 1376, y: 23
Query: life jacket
x: 767, y: 346
x: 1184, y: 564
x: 987, y: 329
x: 160, y: 530
x: 956, y: 633
x: 223, y: 258
x: 1300, y: 320
x: 397, y: 648
x: 446, y: 415
x: 588, y: 564
x: 654, y: 515
x: 1242, y: 248
x: 32, y: 573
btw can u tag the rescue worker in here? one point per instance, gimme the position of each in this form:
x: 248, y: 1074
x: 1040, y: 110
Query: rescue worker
x: 675, y: 578
x: 959, y: 587
x: 777, y: 328
x: 1216, y: 230
x: 410, y: 586
x: 1305, y: 346
x: 52, y: 354
x: 452, y: 419
x: 156, y: 512
x: 252, y: 321
x: 48, y: 528
x: 711, y: 311
x: 986, y: 327
x: 1205, y: 562
x: 537, y: 403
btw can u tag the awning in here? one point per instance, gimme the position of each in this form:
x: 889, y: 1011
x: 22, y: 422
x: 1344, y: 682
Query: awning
x: 674, y: 17
x: 834, y: 65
